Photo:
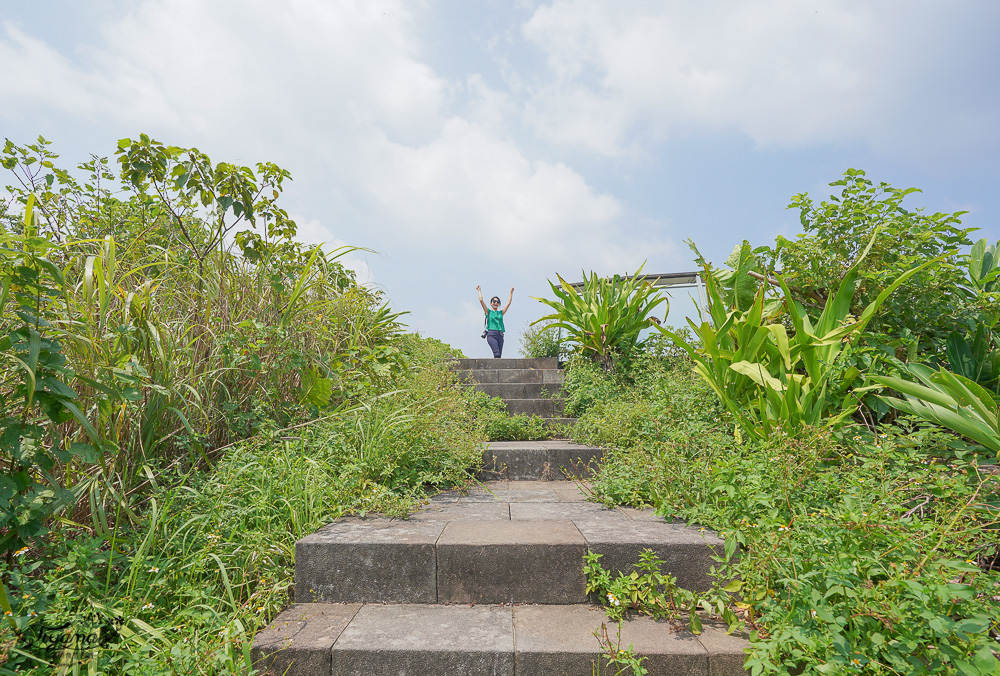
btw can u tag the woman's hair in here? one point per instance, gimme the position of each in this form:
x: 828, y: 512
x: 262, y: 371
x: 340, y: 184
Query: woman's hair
x: 495, y: 298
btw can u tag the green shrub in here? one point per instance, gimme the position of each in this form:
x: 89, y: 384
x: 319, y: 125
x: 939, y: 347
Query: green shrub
x: 542, y: 341
x: 147, y: 337
x: 867, y: 552
x: 585, y: 384
x: 928, y: 307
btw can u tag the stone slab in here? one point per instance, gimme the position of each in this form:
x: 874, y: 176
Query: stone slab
x: 471, y: 377
x: 368, y: 560
x: 550, y: 377
x: 686, y: 552
x: 516, y: 390
x: 571, y: 491
x: 648, y: 514
x: 561, y: 640
x: 533, y: 376
x: 462, y: 511
x: 569, y: 511
x: 510, y: 562
x: 299, y: 640
x: 487, y: 363
x: 499, y: 494
x: 726, y: 652
x: 543, y: 408
x: 518, y: 460
x: 426, y: 639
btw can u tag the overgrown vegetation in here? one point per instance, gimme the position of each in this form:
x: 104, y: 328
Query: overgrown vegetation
x: 541, y: 341
x: 499, y: 425
x: 868, y: 542
x: 605, y: 317
x: 184, y: 391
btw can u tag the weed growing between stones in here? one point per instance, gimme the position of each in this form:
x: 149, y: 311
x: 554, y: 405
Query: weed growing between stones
x: 647, y: 590
x: 615, y: 656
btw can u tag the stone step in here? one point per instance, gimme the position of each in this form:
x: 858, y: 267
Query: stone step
x: 530, y: 640
x: 543, y: 376
x: 519, y: 390
x: 545, y: 460
x: 503, y: 542
x: 543, y: 363
x: 543, y: 408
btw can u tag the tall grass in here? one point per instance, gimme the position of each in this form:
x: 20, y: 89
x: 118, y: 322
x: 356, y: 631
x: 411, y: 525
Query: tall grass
x: 228, y: 395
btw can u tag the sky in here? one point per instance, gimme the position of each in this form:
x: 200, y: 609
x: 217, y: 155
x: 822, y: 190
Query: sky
x: 500, y: 143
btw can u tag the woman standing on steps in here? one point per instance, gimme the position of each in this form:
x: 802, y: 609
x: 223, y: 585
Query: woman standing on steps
x: 494, y: 321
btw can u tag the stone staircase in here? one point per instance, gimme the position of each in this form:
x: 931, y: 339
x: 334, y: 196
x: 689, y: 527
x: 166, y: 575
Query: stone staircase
x: 488, y: 581
x: 527, y: 386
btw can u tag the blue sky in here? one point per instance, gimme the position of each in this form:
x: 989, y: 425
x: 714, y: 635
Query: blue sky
x: 498, y: 143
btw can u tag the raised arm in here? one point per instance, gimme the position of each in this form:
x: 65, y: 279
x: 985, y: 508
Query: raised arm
x: 509, y: 299
x: 480, y: 292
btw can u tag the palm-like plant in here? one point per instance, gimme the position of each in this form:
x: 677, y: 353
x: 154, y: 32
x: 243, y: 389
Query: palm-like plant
x: 606, y: 316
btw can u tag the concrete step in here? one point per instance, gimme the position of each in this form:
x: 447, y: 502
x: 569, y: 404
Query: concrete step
x: 543, y: 408
x: 519, y: 390
x: 543, y: 376
x: 505, y: 542
x: 544, y: 363
x: 533, y: 640
x: 545, y: 460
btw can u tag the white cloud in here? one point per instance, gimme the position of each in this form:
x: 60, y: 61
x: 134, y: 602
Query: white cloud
x: 786, y: 73
x: 338, y: 90
x: 471, y: 191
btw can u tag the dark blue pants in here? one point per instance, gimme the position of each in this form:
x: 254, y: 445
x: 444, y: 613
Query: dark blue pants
x: 495, y: 339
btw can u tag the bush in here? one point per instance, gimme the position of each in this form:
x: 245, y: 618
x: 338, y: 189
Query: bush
x: 918, y: 318
x: 496, y: 424
x: 542, y: 341
x: 863, y: 553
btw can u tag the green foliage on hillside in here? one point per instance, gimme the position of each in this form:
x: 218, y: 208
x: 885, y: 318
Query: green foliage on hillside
x: 185, y: 389
x: 869, y: 541
x: 859, y: 552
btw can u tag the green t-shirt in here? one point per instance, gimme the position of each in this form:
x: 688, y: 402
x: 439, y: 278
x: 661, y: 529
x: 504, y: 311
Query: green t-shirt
x: 494, y: 320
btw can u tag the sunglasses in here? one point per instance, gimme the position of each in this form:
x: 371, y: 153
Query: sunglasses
x: 494, y: 302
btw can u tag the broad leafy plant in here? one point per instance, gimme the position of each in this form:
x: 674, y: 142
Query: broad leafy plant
x: 949, y: 400
x: 977, y: 359
x: 984, y: 266
x: 975, y: 353
x: 606, y: 316
x: 769, y: 378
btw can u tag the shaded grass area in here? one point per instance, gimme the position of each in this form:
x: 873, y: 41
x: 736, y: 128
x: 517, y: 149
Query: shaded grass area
x: 868, y: 551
